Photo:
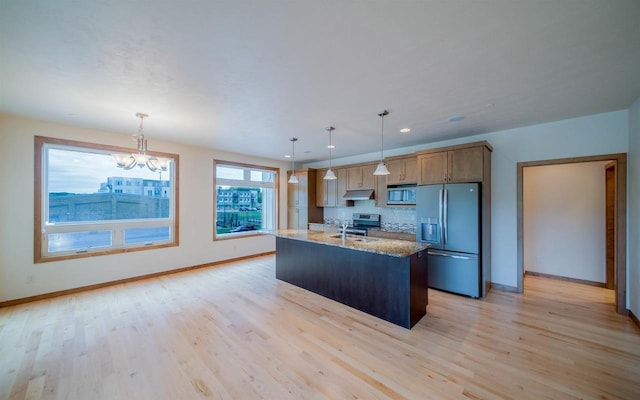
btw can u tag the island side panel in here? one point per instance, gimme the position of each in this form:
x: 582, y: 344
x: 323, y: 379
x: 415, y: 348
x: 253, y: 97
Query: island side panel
x: 419, y: 283
x: 374, y: 283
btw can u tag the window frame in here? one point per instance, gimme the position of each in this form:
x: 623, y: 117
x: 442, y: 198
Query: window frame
x: 41, y: 255
x: 276, y: 191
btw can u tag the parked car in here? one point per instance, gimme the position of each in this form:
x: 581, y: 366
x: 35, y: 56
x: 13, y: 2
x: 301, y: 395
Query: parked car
x: 243, y: 228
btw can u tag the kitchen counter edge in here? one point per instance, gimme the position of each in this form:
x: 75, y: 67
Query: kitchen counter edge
x: 390, y: 247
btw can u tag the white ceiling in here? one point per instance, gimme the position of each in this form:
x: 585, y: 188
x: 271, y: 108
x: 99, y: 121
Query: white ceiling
x: 245, y: 76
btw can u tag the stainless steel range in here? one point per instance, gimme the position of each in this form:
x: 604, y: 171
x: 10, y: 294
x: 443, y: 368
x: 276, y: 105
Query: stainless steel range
x: 361, y: 222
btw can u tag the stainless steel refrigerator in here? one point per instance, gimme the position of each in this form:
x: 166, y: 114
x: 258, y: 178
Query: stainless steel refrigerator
x: 448, y: 218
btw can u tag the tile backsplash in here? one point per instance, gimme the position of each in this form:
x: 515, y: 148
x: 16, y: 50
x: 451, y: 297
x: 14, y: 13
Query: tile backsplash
x: 392, y: 218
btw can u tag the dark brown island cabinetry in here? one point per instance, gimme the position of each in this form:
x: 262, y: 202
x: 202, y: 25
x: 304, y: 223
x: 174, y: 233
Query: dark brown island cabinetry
x: 389, y: 287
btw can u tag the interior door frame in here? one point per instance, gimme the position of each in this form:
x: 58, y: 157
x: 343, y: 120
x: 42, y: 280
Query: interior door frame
x: 620, y: 160
x: 610, y: 173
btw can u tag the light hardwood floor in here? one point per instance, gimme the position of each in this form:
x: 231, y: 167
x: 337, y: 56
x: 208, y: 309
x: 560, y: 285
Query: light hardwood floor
x: 235, y: 332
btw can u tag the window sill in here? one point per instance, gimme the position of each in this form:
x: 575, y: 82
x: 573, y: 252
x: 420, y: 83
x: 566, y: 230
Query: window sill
x: 239, y: 235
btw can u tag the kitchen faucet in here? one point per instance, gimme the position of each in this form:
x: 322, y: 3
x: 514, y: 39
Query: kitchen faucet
x: 344, y: 230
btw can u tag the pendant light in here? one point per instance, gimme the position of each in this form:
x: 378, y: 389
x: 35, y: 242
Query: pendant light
x: 381, y: 169
x: 330, y: 175
x: 293, y: 179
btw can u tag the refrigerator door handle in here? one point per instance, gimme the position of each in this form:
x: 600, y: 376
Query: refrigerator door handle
x: 434, y: 253
x: 445, y: 216
x: 440, y: 216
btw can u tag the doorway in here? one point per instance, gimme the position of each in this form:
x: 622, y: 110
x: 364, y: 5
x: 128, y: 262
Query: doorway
x: 617, y: 184
x: 610, y: 172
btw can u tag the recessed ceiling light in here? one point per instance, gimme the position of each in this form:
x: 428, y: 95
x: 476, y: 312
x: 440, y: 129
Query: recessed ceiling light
x: 455, y: 118
x: 287, y: 156
x: 331, y: 147
x: 405, y: 130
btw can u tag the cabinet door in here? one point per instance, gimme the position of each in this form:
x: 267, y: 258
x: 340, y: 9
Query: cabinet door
x: 402, y: 171
x: 354, y: 178
x: 396, y: 172
x: 432, y: 168
x: 292, y: 192
x: 368, y: 178
x: 410, y: 170
x: 341, y: 187
x: 303, y: 218
x: 292, y: 217
x: 303, y: 188
x: 297, y: 192
x: 321, y: 185
x: 361, y: 177
x: 331, y: 192
x: 465, y: 165
x: 326, y: 190
x: 297, y: 218
x: 380, y: 191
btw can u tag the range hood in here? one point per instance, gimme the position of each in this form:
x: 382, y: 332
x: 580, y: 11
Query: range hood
x: 366, y: 194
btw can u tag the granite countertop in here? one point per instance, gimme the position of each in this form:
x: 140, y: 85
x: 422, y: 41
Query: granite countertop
x: 390, y: 247
x: 391, y: 230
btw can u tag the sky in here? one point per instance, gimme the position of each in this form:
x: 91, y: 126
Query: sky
x: 80, y: 172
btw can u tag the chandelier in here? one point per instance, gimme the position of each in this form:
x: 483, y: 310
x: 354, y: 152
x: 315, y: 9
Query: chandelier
x: 141, y: 158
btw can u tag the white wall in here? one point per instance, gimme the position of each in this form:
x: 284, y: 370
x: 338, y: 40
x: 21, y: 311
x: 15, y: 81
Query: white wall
x: 196, y: 215
x: 592, y: 135
x: 633, y: 227
x: 605, y: 133
x: 564, y: 220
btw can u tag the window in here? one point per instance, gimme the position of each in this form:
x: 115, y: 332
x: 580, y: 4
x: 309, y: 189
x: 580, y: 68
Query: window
x: 82, y: 209
x: 245, y: 199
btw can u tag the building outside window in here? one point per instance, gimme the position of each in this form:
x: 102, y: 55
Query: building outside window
x: 245, y: 199
x: 82, y: 208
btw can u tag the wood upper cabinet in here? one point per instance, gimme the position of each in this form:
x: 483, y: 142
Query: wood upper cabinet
x: 298, y: 193
x: 329, y: 193
x: 432, y: 168
x: 380, y: 191
x: 326, y: 190
x: 301, y: 200
x: 464, y: 163
x: 361, y: 177
x: 402, y: 171
x: 341, y: 188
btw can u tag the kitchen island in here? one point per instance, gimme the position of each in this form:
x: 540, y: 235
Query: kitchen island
x: 382, y: 277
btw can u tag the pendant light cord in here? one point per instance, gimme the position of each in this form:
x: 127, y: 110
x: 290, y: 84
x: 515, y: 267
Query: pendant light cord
x: 382, y: 138
x: 382, y: 114
x: 330, y: 148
